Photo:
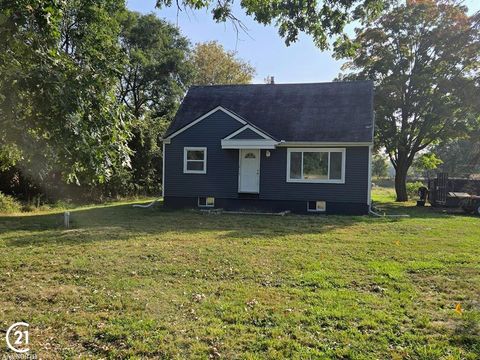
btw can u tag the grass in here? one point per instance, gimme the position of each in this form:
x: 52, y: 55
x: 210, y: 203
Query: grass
x: 126, y: 282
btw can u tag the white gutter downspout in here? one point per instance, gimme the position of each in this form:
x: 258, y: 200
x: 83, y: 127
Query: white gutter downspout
x: 369, y: 189
x: 163, y: 168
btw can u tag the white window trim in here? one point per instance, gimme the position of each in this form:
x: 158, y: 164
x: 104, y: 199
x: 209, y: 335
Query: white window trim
x: 317, y: 181
x: 190, y: 148
x: 206, y: 202
x: 316, y: 210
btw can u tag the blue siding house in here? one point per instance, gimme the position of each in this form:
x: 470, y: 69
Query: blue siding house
x: 306, y: 148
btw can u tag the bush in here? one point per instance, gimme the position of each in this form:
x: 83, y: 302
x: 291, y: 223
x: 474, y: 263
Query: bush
x: 8, y: 204
x: 412, y: 189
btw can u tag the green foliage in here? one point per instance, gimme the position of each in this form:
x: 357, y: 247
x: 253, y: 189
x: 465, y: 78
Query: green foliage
x: 157, y: 70
x: 214, y: 66
x: 87, y: 88
x: 10, y: 155
x: 461, y: 157
x: 59, y: 64
x: 320, y: 19
x: 412, y: 189
x: 426, y: 165
x: 379, y: 166
x: 8, y: 204
x: 423, y: 59
x: 428, y: 161
x: 153, y: 81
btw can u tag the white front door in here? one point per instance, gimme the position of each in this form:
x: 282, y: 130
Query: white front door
x: 249, y: 171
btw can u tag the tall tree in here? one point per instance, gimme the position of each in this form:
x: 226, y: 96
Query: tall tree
x: 213, y: 65
x: 424, y: 59
x: 59, y: 64
x: 152, y: 84
x: 320, y: 19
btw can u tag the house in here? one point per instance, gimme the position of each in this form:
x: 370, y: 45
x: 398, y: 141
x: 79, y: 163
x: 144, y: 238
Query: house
x: 306, y: 148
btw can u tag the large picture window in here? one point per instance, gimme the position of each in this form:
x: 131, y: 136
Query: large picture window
x: 195, y: 160
x: 316, y: 165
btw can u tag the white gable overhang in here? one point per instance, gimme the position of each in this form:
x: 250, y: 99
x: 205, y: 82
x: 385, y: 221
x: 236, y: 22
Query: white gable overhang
x: 266, y: 141
x: 204, y: 116
x: 231, y: 142
x: 249, y: 144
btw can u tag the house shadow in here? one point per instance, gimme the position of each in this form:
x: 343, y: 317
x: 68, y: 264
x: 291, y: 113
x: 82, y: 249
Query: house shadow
x: 124, y: 222
x: 121, y: 222
x: 413, y: 211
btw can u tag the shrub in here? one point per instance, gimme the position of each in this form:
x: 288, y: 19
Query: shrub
x: 8, y: 204
x: 412, y: 189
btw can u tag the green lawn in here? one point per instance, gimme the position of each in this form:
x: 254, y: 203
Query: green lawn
x: 149, y: 283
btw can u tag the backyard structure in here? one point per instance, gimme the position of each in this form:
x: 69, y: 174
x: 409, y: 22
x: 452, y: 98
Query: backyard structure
x: 454, y: 193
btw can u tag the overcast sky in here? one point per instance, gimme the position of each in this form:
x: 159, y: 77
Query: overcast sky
x: 261, y: 46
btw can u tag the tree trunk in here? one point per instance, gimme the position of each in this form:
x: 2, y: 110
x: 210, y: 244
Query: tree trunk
x: 401, y: 183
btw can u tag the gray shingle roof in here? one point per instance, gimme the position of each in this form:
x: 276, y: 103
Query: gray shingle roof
x: 323, y: 112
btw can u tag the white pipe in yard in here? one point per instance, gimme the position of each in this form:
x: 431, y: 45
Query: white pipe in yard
x: 146, y: 206
x: 66, y: 219
x: 371, y: 212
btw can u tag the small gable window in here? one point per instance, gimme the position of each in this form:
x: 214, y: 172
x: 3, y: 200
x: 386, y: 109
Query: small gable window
x: 316, y: 165
x: 195, y: 160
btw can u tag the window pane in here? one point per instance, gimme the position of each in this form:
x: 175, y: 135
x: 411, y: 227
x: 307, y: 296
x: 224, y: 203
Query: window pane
x: 321, y: 205
x: 315, y: 165
x: 312, y: 205
x: 195, y: 165
x: 295, y: 165
x: 195, y: 154
x: 335, y: 165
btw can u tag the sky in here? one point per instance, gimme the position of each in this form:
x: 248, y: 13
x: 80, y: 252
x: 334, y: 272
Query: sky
x: 261, y: 46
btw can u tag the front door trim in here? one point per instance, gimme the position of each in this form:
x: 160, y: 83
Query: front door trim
x: 241, y: 153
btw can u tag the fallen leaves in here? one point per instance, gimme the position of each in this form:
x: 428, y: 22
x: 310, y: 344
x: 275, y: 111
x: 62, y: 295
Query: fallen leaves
x: 458, y: 308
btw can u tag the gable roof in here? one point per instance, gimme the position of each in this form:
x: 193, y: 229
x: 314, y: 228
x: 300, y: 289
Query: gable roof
x: 249, y: 131
x: 316, y: 112
x: 246, y: 134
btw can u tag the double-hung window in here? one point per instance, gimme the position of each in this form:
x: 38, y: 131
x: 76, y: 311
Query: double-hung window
x: 195, y: 160
x: 316, y: 165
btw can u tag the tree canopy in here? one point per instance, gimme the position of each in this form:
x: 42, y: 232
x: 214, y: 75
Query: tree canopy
x: 152, y: 83
x: 460, y: 157
x: 426, y: 164
x: 214, y: 66
x: 320, y: 19
x: 157, y: 71
x: 424, y: 59
x: 59, y: 63
x: 86, y: 89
